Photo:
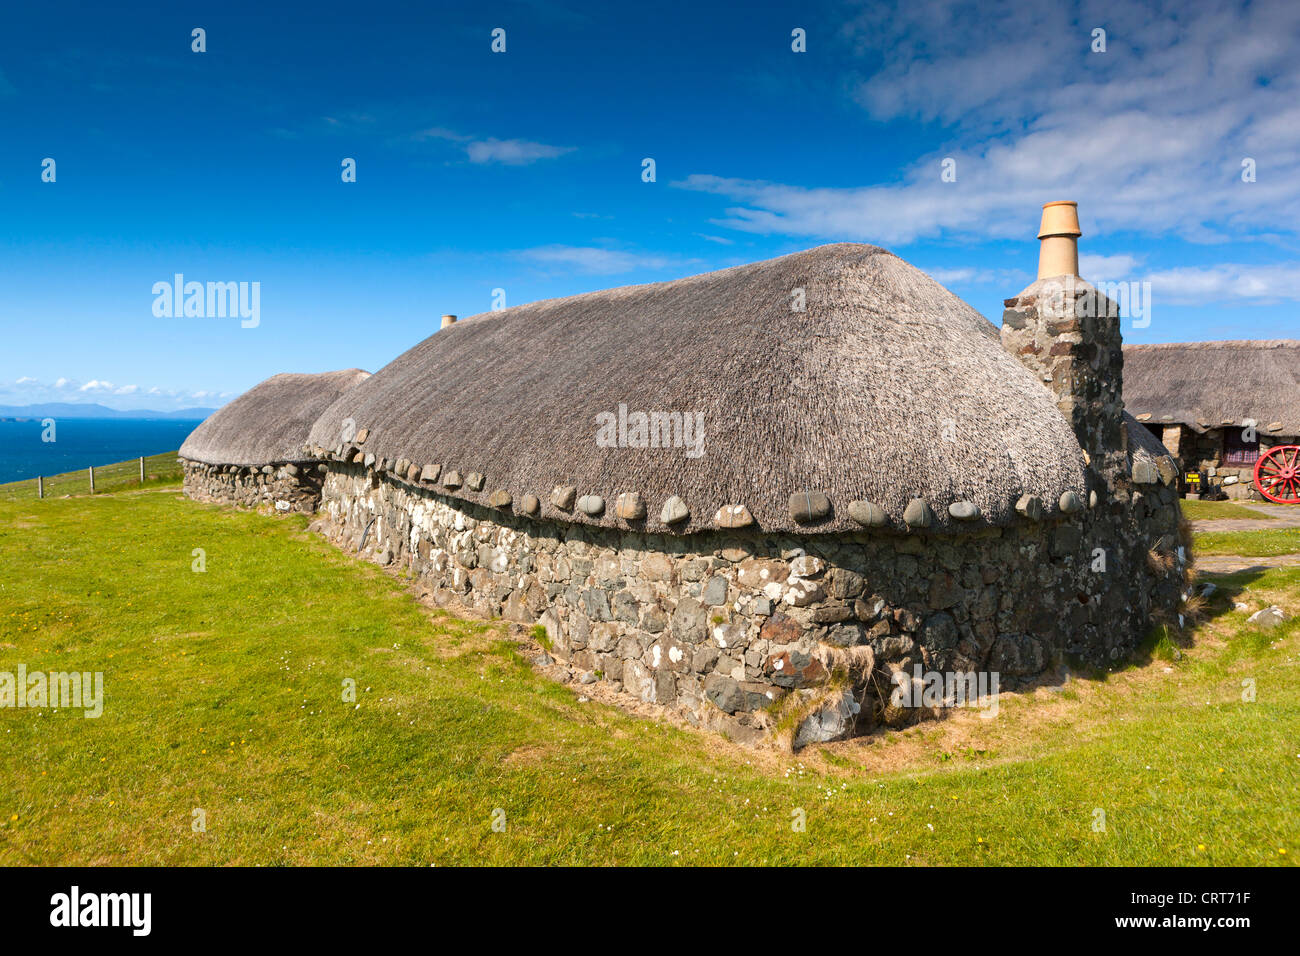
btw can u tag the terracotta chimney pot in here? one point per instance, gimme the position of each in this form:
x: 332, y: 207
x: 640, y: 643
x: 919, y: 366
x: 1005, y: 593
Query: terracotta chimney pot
x: 1058, y: 254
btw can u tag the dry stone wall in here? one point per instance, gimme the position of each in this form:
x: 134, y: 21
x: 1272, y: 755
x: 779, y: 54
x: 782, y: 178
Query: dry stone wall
x: 284, y: 487
x: 723, y: 626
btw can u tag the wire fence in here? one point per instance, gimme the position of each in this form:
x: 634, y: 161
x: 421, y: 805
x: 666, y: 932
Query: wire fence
x: 135, y: 473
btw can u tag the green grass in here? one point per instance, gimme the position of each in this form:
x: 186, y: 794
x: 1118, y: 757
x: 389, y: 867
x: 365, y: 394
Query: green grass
x: 1195, y: 510
x: 1250, y: 544
x: 158, y: 469
x: 224, y: 693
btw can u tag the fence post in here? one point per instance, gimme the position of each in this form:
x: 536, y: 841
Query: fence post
x: 40, y: 486
x: 92, y: 479
x: 142, y: 469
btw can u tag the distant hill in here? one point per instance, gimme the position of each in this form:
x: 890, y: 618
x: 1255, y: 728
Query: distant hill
x: 75, y: 410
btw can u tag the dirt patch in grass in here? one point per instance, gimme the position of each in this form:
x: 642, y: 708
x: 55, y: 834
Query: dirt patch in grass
x: 528, y: 755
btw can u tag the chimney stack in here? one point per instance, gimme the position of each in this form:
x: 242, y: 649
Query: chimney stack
x: 1068, y: 334
x: 1058, y: 234
x: 448, y: 320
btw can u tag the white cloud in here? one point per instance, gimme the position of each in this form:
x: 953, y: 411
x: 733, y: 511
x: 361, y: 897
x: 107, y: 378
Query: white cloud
x: 1006, y: 278
x: 1149, y: 137
x: 597, y: 261
x: 31, y: 390
x: 510, y: 152
x: 1240, y: 284
x: 513, y: 152
x: 1107, y: 267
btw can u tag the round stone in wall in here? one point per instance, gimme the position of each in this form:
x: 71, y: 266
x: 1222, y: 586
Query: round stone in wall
x: 674, y: 510
x: 1145, y: 472
x: 1031, y: 506
x: 733, y: 516
x: 964, y: 510
x: 807, y: 507
x: 629, y: 506
x: 917, y: 514
x: 867, y: 514
x: 1168, y: 470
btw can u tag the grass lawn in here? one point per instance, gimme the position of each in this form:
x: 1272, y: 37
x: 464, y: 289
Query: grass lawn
x: 1251, y: 544
x: 158, y: 470
x: 223, y: 694
x: 1194, y: 510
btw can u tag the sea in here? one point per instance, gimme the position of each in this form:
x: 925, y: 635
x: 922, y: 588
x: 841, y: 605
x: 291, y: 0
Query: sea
x: 83, y: 442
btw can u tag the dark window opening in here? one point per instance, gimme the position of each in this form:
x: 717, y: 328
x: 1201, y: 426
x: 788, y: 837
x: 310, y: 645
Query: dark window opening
x: 1236, y: 450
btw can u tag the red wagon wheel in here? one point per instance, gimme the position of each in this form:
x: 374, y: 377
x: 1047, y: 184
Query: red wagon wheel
x: 1277, y: 474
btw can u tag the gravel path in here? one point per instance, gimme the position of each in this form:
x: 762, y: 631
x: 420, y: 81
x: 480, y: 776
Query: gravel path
x: 1282, y: 516
x: 1228, y: 563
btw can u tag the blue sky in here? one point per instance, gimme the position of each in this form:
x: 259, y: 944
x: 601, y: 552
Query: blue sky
x: 522, y: 170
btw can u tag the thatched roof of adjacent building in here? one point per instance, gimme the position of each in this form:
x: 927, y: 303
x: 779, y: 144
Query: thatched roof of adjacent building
x: 269, y: 423
x: 1207, y: 385
x: 885, y: 388
x: 1143, y: 445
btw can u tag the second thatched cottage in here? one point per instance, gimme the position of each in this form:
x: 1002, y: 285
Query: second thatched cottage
x: 250, y: 452
x: 1217, y: 406
x: 767, y: 490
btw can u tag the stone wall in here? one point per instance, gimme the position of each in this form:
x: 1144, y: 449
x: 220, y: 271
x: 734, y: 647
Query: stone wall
x: 284, y: 487
x: 722, y: 626
x: 1068, y: 334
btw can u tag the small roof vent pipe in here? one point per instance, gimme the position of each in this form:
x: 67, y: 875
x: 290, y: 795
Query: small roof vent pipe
x: 1058, y: 254
x: 448, y: 320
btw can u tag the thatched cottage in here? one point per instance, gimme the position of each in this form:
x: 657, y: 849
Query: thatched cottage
x: 1217, y: 406
x: 250, y: 452
x: 763, y: 491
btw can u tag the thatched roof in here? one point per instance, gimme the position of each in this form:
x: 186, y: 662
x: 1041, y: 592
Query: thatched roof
x: 1143, y: 445
x: 886, y: 388
x: 269, y: 423
x: 1215, y: 384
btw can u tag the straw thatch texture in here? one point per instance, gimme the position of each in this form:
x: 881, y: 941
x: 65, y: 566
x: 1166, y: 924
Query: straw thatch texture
x: 887, y: 387
x: 1207, y: 384
x: 269, y: 423
x: 1142, y: 444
